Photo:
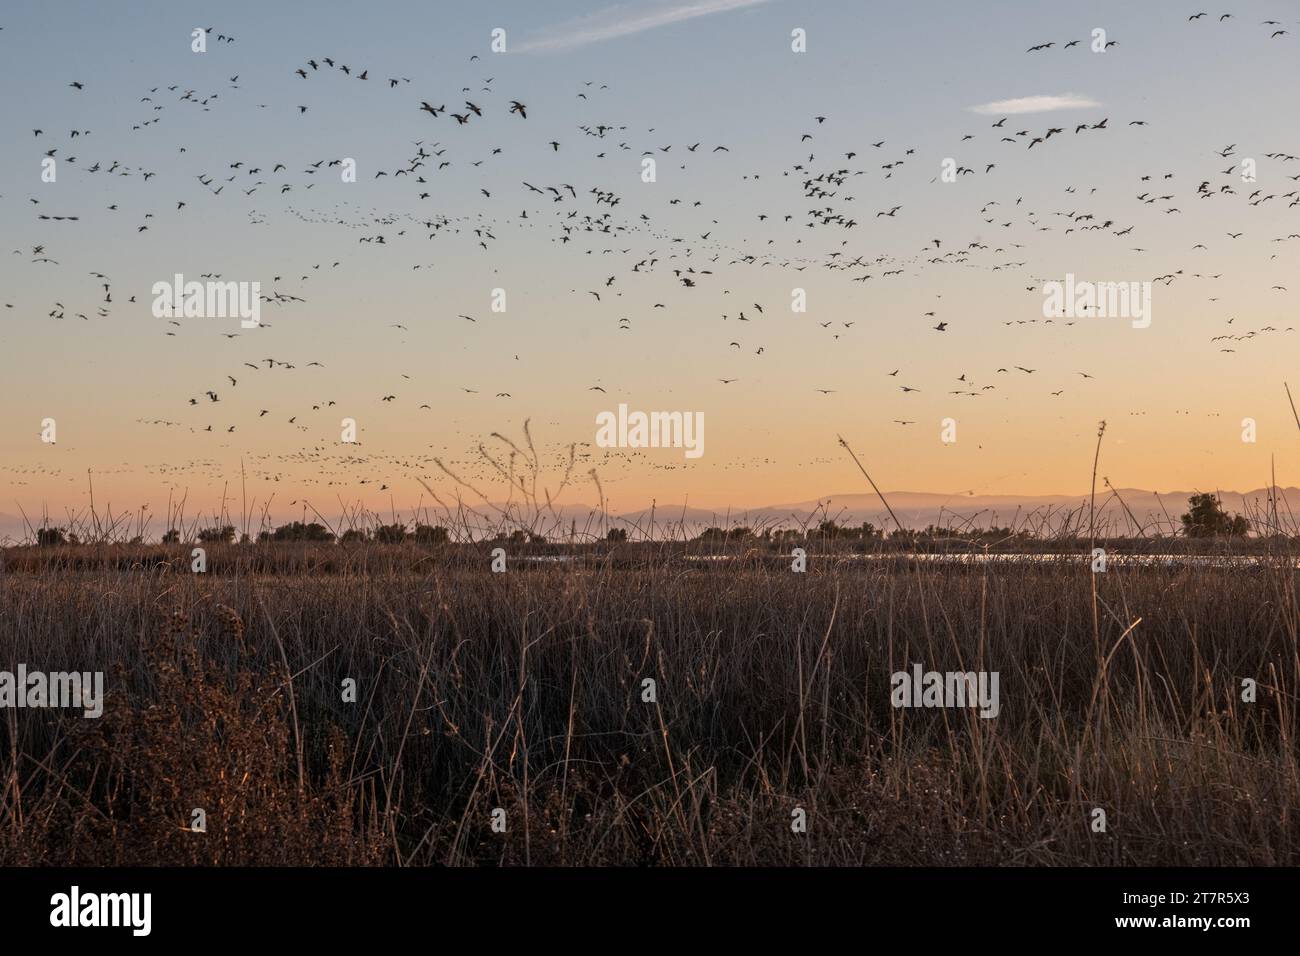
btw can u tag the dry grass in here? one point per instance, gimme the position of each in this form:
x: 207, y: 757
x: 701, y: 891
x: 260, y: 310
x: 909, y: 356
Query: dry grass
x: 523, y: 691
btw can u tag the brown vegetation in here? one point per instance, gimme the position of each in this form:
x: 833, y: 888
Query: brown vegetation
x: 523, y: 691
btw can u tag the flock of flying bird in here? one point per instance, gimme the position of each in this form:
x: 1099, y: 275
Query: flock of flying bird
x: 822, y: 198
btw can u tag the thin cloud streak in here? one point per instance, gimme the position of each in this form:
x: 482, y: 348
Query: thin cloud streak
x: 622, y: 21
x: 1036, y: 104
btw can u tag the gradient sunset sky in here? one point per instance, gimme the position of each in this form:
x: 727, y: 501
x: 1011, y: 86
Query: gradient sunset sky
x: 754, y: 223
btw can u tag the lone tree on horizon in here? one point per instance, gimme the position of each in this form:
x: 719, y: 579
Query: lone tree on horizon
x: 1207, y: 519
x: 50, y: 536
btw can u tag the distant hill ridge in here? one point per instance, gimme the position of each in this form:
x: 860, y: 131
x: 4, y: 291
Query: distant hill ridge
x: 1120, y: 509
x: 1117, y: 511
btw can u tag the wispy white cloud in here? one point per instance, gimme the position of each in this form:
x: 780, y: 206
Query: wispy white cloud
x: 1036, y: 104
x: 623, y: 21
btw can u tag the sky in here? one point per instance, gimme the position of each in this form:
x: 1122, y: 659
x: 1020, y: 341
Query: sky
x: 381, y: 270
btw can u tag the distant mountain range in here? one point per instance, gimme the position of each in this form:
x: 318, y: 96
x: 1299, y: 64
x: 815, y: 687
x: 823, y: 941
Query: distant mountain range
x: 1118, y: 512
